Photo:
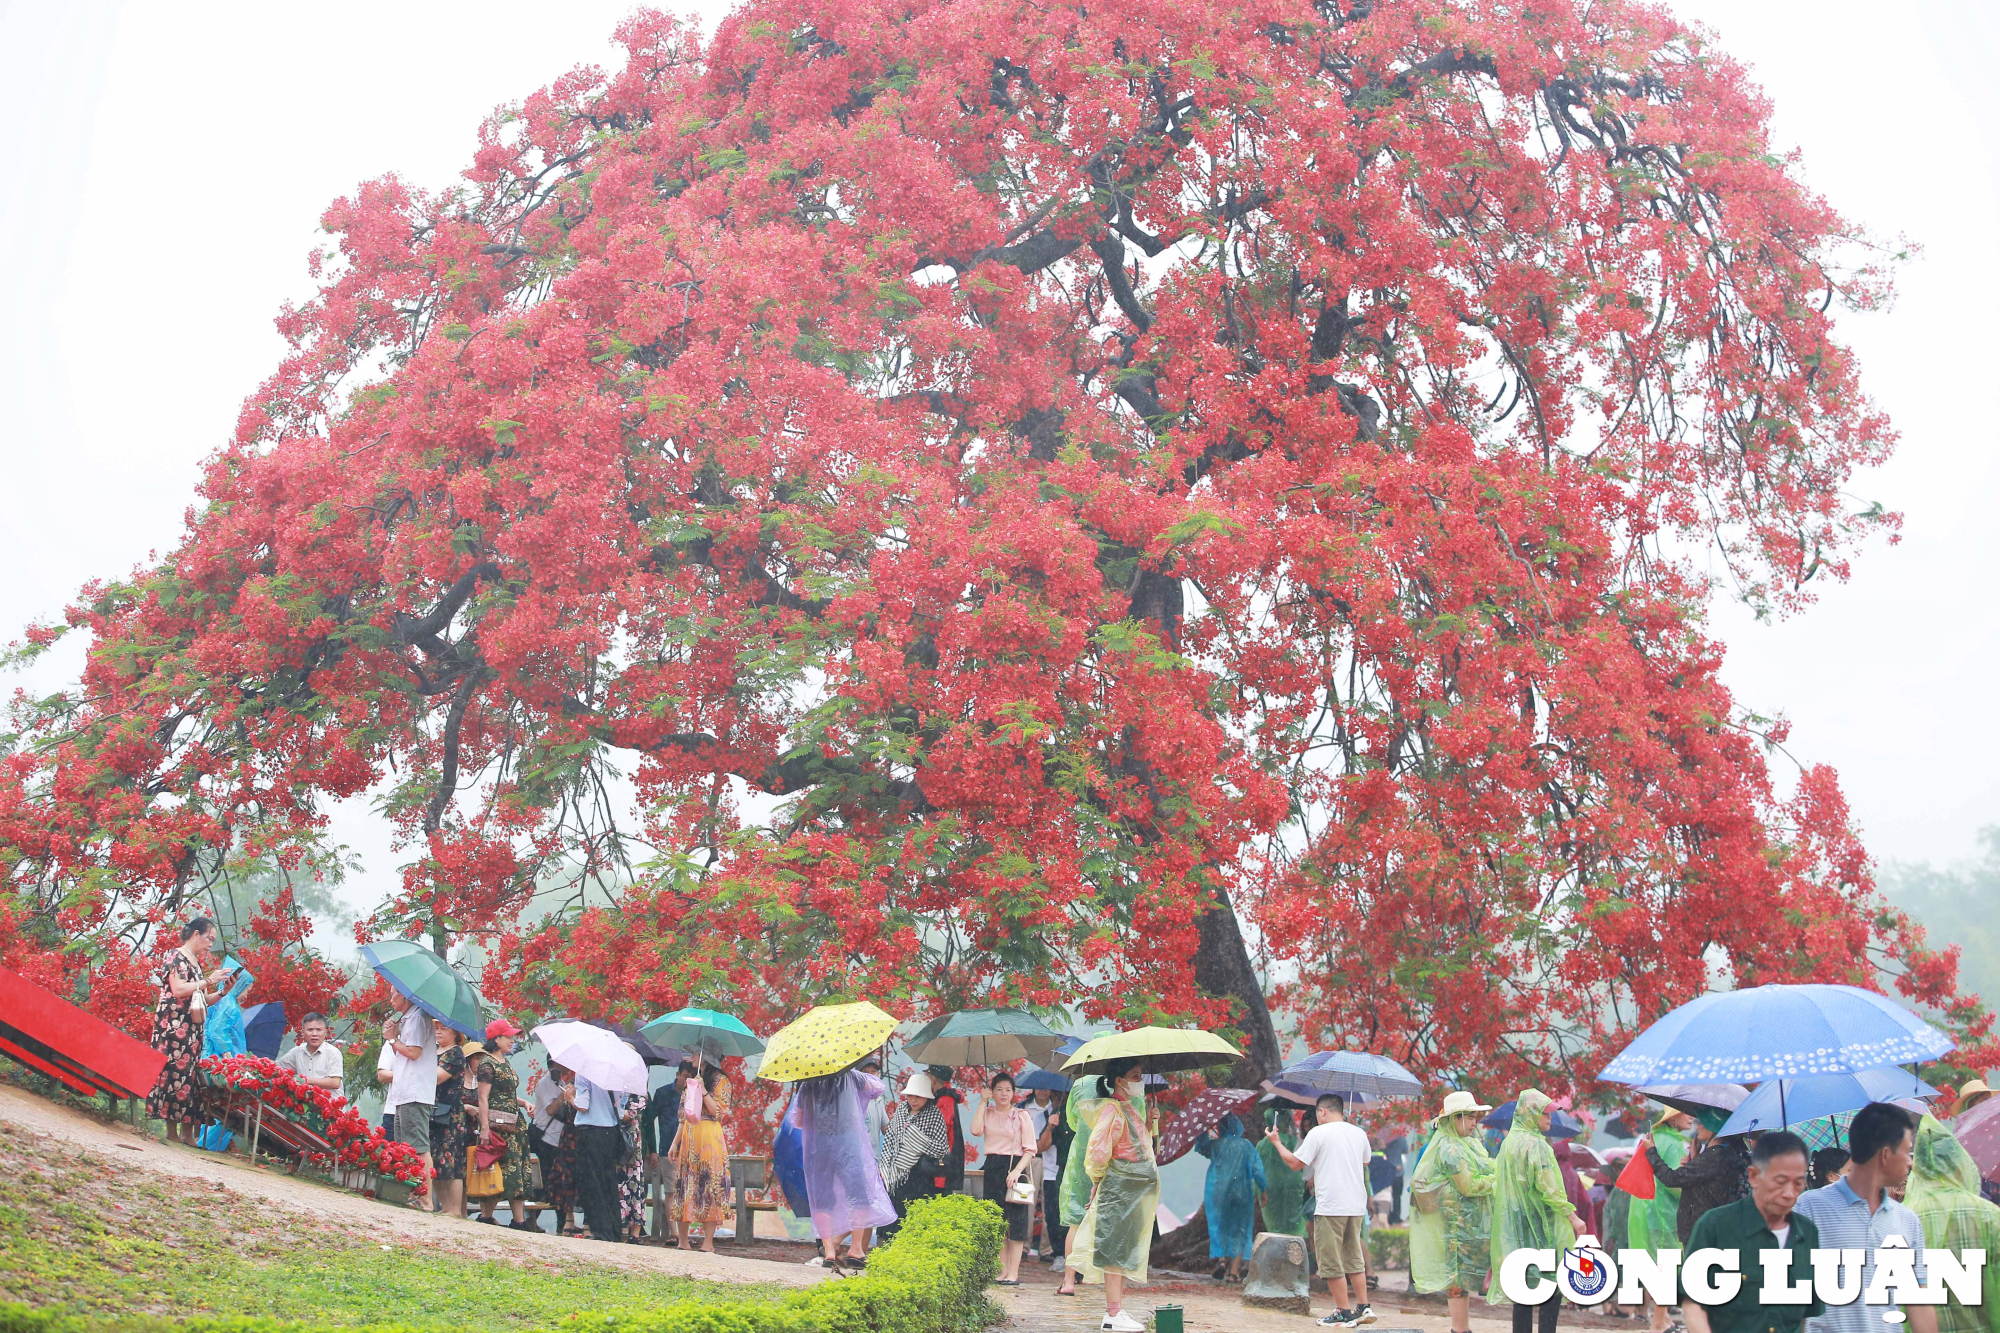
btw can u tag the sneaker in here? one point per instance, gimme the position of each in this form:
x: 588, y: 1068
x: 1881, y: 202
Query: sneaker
x: 1341, y: 1319
x: 1122, y: 1323
x: 1365, y: 1315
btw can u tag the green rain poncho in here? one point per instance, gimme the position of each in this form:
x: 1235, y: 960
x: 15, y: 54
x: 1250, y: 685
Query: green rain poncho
x: 1531, y: 1209
x: 1451, y: 1247
x: 1944, y: 1194
x: 1654, y: 1224
x: 1285, y: 1189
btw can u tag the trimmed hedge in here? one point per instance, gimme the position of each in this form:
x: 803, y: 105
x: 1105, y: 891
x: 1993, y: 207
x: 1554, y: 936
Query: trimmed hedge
x: 931, y: 1278
x: 1389, y: 1247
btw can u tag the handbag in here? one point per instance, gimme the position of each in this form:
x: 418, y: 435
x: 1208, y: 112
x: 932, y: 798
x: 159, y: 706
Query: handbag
x: 1020, y: 1190
x: 481, y: 1181
x: 1427, y: 1200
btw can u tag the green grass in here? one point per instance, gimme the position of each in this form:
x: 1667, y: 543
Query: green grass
x: 80, y: 1236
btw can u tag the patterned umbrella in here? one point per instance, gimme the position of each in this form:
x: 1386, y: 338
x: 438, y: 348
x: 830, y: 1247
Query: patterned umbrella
x: 1199, y: 1116
x: 826, y: 1040
x: 1979, y: 1131
x: 1764, y: 1032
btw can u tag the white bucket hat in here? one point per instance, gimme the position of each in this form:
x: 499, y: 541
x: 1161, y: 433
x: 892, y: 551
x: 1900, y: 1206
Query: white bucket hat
x: 919, y: 1086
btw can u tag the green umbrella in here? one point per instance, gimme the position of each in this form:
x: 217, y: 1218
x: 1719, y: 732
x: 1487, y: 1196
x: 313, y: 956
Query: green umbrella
x: 428, y: 983
x: 982, y: 1037
x: 1160, y: 1050
x: 702, y: 1032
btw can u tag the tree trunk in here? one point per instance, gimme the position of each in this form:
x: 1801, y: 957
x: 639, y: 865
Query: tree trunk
x: 1222, y: 968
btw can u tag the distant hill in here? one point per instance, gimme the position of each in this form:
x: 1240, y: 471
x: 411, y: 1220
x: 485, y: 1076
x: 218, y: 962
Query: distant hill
x: 1956, y: 906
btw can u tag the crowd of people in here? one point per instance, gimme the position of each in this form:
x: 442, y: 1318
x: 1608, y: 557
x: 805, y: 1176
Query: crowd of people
x: 1903, y: 1174
x: 1076, y: 1176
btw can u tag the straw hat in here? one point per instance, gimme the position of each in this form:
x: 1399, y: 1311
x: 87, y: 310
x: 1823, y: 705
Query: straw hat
x: 1972, y: 1094
x: 1460, y: 1103
x: 472, y: 1048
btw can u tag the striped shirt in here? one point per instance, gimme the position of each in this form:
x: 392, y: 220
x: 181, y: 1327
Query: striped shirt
x: 1845, y: 1223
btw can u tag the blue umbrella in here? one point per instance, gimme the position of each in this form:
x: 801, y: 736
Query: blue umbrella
x: 1349, y: 1072
x: 1562, y: 1125
x: 1772, y: 1032
x: 1042, y: 1078
x: 1782, y: 1103
x: 264, y: 1028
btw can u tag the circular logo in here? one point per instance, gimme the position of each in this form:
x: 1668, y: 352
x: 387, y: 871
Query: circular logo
x: 1587, y: 1275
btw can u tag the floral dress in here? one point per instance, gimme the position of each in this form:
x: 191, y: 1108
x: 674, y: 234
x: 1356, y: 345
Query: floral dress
x: 701, y: 1155
x: 632, y: 1178
x: 503, y: 1097
x: 177, y: 1034
x: 448, y: 1136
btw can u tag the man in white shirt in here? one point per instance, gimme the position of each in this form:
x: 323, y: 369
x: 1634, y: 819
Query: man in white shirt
x: 411, y: 1037
x: 315, y: 1059
x: 1335, y: 1155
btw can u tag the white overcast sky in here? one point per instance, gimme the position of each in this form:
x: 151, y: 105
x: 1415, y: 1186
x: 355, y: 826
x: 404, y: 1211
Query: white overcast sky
x: 165, y: 167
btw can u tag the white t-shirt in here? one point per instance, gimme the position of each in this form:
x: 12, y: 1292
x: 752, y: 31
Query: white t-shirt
x: 1337, y: 1157
x: 1784, y: 1234
x: 1040, y: 1115
x: 415, y: 1080
x: 325, y: 1063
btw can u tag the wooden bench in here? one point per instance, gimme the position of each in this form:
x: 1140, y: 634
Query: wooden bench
x: 746, y: 1174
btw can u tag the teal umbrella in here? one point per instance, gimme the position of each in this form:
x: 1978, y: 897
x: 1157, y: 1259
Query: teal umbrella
x: 983, y: 1037
x: 702, y: 1032
x: 428, y: 983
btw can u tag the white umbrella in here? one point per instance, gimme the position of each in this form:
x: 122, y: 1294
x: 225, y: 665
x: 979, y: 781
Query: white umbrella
x: 593, y: 1053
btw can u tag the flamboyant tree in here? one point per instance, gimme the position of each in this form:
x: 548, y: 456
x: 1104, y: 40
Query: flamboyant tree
x: 1163, y: 509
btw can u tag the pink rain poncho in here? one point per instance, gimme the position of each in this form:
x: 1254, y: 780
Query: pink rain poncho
x: 842, y: 1183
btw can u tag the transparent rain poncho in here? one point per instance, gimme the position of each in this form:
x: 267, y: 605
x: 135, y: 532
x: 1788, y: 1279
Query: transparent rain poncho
x: 1654, y: 1224
x: 1451, y: 1246
x: 224, y: 1034
x: 1944, y: 1194
x: 1117, y: 1231
x: 1531, y: 1209
x: 1073, y: 1195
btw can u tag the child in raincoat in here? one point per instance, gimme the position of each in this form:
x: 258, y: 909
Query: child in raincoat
x: 1944, y: 1194
x: 1235, y: 1178
x: 1531, y: 1208
x: 1451, y: 1224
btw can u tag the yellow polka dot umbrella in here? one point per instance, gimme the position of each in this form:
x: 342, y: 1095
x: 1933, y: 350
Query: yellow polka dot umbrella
x: 825, y: 1040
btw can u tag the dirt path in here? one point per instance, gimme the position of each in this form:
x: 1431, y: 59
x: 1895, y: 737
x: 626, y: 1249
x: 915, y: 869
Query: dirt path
x: 63, y: 1129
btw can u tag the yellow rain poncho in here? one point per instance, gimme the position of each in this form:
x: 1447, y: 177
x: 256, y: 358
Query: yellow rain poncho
x: 1944, y: 1194
x: 1451, y: 1246
x: 1531, y: 1209
x: 1117, y: 1231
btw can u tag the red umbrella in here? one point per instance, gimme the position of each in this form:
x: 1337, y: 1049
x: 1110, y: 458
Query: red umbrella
x: 1979, y: 1131
x: 1200, y: 1115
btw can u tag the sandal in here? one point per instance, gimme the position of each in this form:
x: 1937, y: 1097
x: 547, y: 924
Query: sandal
x: 1005, y: 1282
